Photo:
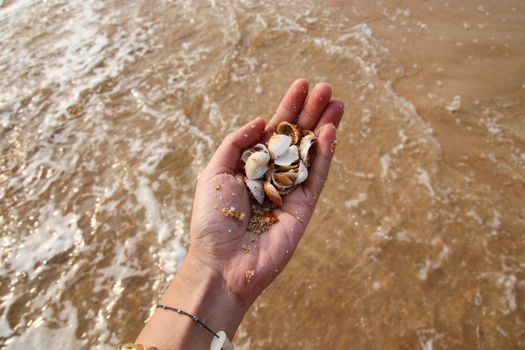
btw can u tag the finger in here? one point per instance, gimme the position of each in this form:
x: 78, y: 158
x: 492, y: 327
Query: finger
x: 315, y: 106
x: 332, y: 115
x: 319, y: 171
x: 227, y: 156
x: 290, y: 106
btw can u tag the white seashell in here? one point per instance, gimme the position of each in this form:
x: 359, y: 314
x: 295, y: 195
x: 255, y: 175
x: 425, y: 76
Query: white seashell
x: 258, y: 147
x: 256, y: 189
x: 278, y: 145
x: 245, y: 155
x: 288, y: 157
x: 302, y: 174
x: 256, y: 165
x: 306, y: 143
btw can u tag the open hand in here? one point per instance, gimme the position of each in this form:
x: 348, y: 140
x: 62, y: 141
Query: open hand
x: 246, y: 261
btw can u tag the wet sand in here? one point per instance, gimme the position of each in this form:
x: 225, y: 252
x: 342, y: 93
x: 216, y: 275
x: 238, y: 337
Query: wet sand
x: 108, y: 113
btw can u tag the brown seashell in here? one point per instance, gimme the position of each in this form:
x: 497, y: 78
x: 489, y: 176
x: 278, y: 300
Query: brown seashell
x: 283, y: 179
x: 272, y: 194
x: 281, y: 188
x: 292, y: 130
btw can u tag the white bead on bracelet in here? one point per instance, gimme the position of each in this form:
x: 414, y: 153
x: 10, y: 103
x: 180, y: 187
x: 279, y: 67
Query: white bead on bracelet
x: 222, y: 342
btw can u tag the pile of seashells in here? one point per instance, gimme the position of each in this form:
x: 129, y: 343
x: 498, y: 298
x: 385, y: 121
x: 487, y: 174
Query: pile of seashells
x: 274, y: 169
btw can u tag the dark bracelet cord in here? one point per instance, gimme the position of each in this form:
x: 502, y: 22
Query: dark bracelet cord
x: 194, y: 318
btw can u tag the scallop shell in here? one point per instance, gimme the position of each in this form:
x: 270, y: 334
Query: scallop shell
x: 272, y: 194
x: 302, y: 174
x: 278, y: 145
x: 289, y: 129
x: 288, y: 157
x: 256, y: 189
x: 256, y: 165
x: 304, y: 149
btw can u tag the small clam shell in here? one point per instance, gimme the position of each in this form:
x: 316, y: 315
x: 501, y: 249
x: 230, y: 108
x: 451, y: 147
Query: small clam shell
x: 302, y: 174
x: 245, y: 155
x: 258, y: 147
x: 272, y: 194
x: 288, y: 157
x: 285, y: 168
x: 278, y: 145
x: 284, y: 179
x: 304, y: 149
x: 289, y: 129
x: 256, y: 189
x: 256, y: 165
x: 278, y: 185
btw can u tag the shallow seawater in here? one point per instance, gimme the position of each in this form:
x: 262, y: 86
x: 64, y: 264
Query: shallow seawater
x: 109, y: 111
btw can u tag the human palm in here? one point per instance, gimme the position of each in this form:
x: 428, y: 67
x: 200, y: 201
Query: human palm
x: 247, y: 261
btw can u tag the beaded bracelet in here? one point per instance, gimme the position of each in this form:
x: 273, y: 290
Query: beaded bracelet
x: 219, y: 341
x: 194, y: 318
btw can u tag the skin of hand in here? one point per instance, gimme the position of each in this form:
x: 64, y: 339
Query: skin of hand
x: 213, y: 279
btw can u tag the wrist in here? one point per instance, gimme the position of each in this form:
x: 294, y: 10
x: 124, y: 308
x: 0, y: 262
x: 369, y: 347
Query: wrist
x: 210, y: 295
x: 201, y: 291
